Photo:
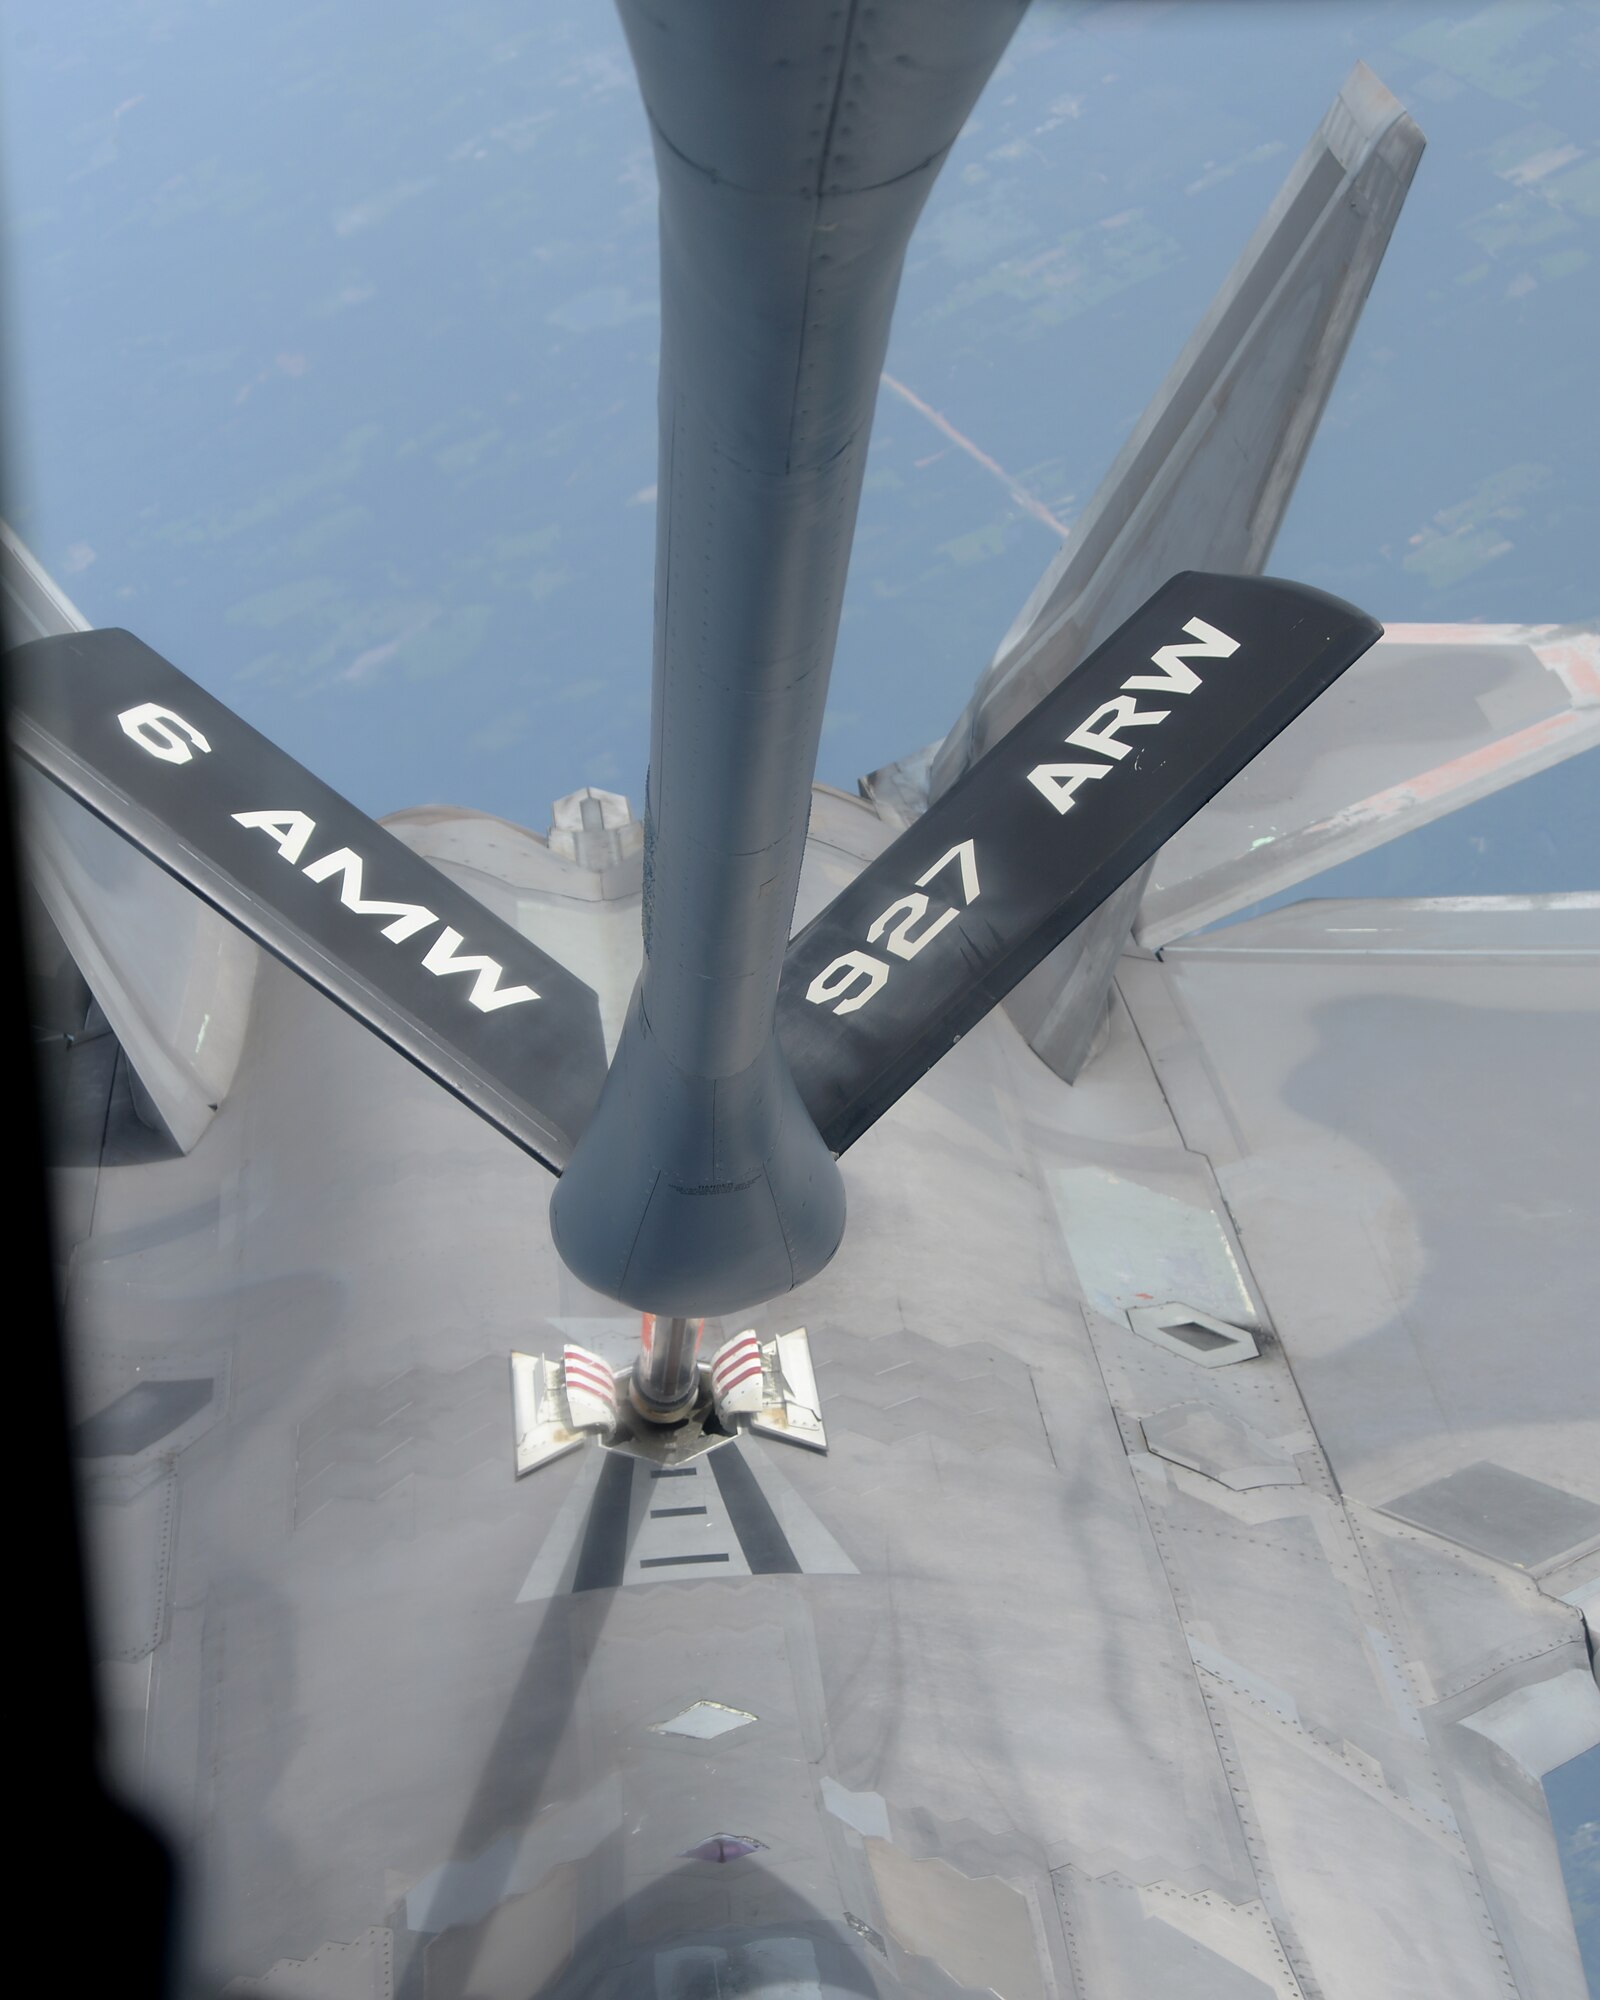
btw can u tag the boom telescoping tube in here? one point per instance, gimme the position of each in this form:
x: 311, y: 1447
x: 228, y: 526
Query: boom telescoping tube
x: 795, y: 147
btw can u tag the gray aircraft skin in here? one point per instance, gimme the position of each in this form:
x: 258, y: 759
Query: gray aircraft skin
x: 1201, y: 1572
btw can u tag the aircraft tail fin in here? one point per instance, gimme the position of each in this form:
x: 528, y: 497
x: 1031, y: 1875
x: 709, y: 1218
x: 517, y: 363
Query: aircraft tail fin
x: 1064, y: 808
x: 395, y: 942
x: 1202, y: 483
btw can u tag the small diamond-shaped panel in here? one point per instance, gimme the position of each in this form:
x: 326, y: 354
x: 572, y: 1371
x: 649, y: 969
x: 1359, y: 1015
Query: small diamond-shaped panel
x: 363, y: 1440
x: 898, y: 1385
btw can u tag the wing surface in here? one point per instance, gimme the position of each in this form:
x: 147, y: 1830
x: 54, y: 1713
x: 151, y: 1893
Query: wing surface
x: 1434, y: 718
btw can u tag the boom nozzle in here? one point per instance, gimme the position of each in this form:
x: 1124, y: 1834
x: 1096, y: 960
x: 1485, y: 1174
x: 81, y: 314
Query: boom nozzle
x: 665, y: 1383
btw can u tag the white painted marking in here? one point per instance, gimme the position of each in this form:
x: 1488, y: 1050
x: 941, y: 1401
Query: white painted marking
x: 162, y: 733
x: 704, y: 1720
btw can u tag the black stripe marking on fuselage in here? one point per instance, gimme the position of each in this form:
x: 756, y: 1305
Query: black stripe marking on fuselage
x: 765, y: 1545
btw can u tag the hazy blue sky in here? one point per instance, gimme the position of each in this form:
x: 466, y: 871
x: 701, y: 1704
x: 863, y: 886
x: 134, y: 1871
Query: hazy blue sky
x: 332, y: 327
